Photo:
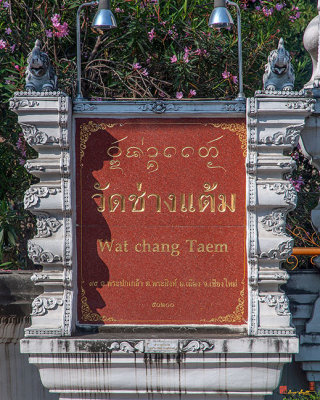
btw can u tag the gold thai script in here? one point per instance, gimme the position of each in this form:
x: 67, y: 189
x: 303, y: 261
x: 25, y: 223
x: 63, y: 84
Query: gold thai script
x: 183, y: 202
x: 152, y: 154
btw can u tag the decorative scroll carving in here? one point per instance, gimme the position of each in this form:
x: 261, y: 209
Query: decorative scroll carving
x: 159, y: 107
x: 47, y: 225
x: 39, y: 277
x: 41, y: 305
x: 306, y: 104
x: 282, y: 252
x: 291, y: 137
x: 33, y: 167
x: 239, y: 107
x: 84, y: 107
x: 195, y: 346
x: 38, y: 255
x: 127, y: 347
x: 275, y: 222
x: 15, y: 104
x: 35, y: 137
x: 280, y: 302
x: 192, y: 346
x: 33, y: 195
x: 290, y: 193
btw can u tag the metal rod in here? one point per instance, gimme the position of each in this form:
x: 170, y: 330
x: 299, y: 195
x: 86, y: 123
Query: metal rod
x: 79, y: 96
x: 311, y: 251
x: 241, y: 95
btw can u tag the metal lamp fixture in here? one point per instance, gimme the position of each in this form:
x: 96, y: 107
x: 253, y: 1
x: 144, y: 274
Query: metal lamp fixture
x: 221, y: 18
x: 104, y: 20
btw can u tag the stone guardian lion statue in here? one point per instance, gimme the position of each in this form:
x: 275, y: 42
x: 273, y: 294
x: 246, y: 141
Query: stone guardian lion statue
x: 279, y: 73
x: 40, y: 75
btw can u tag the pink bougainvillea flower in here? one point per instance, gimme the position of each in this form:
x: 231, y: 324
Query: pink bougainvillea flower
x: 279, y: 6
x: 145, y: 72
x: 56, y: 20
x: 17, y: 67
x: 8, y: 31
x: 2, y: 44
x: 234, y: 79
x: 61, y: 30
x: 226, y: 74
x: 49, y: 33
x: 198, y: 52
x: 179, y: 95
x: 267, y: 11
x: 297, y: 183
x: 136, y: 66
x: 151, y: 34
x: 192, y: 93
x: 173, y: 59
x: 119, y: 10
x: 186, y: 55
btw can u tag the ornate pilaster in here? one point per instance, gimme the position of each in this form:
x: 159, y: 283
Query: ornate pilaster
x: 44, y: 118
x: 275, y: 120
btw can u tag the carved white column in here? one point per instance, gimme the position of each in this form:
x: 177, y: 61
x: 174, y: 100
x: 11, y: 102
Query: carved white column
x: 45, y: 121
x: 275, y: 120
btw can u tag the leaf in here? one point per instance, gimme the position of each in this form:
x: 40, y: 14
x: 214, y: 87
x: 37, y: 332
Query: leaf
x: 6, y: 264
x: 11, y: 238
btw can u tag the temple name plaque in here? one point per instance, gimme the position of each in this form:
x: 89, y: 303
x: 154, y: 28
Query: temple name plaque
x: 161, y: 221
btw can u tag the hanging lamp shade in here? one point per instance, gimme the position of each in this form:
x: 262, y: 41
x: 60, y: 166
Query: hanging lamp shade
x: 104, y: 18
x: 220, y: 16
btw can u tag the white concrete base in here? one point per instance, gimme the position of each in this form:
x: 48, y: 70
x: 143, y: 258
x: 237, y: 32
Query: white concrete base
x: 96, y: 369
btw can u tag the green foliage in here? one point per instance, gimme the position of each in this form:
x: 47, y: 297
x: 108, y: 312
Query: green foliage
x: 136, y: 59
x: 160, y: 49
x: 303, y: 396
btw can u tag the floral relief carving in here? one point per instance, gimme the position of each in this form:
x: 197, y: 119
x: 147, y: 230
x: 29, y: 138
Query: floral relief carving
x: 47, y: 225
x: 275, y: 222
x: 35, y: 137
x: 280, y: 302
x: 38, y: 255
x: 159, y: 107
x: 33, y: 195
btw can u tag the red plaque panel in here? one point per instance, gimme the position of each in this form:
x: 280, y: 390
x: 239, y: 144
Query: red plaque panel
x: 161, y: 221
